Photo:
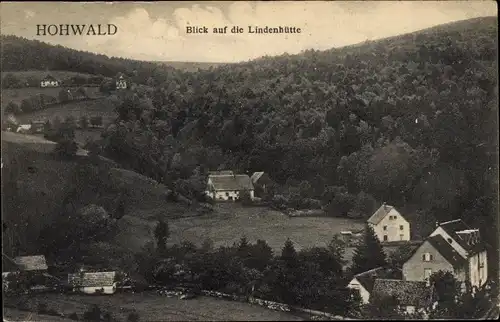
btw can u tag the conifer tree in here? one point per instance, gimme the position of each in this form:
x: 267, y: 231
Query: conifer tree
x: 288, y: 253
x: 369, y: 254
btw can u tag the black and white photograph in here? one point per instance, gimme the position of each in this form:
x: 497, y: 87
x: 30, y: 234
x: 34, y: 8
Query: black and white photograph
x: 249, y: 161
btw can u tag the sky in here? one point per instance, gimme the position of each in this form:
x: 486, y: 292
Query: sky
x: 157, y: 30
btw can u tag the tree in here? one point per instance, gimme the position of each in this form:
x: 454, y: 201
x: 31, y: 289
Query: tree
x: 161, y: 235
x: 288, y: 253
x: 10, y: 81
x: 364, y: 206
x: 84, y: 122
x: 368, y: 254
x: 448, y: 291
x: 63, y: 95
x: 26, y: 106
x: 96, y: 121
x: 66, y: 148
x: 400, y: 256
x: 133, y: 317
x: 12, y: 108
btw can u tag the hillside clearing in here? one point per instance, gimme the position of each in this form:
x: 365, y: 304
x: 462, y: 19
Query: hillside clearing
x: 230, y: 222
x: 18, y: 94
x: 76, y: 109
x: 152, y: 307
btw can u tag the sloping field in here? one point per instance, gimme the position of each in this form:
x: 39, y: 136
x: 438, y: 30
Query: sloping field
x: 11, y: 315
x: 18, y: 94
x: 152, y: 307
x: 100, y: 107
x: 232, y: 221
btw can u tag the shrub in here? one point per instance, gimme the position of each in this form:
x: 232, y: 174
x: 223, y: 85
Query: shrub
x: 73, y: 316
x: 42, y: 308
x: 93, y: 314
x: 133, y: 317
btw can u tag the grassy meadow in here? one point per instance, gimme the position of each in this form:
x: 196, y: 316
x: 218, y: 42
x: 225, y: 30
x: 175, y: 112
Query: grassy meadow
x: 152, y: 307
x: 77, y: 109
x: 17, y: 95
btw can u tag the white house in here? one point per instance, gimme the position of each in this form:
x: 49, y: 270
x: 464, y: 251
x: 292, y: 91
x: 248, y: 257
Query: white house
x: 24, y: 128
x: 452, y: 246
x: 49, y: 81
x: 121, y: 83
x: 389, y: 225
x: 363, y: 282
x: 229, y: 187
x: 93, y: 282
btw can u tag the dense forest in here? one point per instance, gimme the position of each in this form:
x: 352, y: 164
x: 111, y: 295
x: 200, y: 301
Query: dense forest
x: 43, y: 56
x: 409, y: 120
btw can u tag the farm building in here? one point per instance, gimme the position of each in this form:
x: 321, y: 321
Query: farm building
x: 121, y: 82
x: 49, y: 81
x: 229, y: 187
x: 453, y: 247
x: 389, y: 225
x: 363, y: 282
x: 24, y: 128
x: 93, y: 282
x: 412, y: 296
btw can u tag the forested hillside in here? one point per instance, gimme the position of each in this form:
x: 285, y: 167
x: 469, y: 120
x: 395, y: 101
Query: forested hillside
x: 410, y: 120
x: 21, y: 54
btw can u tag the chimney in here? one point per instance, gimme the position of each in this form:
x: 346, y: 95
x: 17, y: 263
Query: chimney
x: 437, y: 224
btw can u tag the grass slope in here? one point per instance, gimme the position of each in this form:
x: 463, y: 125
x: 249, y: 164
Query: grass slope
x: 152, y: 307
x: 100, y: 107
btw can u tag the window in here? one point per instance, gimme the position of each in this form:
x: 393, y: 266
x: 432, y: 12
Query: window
x: 426, y: 257
x: 400, y: 227
x: 385, y: 237
x: 385, y: 227
x: 427, y: 273
x: 227, y: 194
x: 401, y: 236
x: 450, y: 240
x: 394, y: 217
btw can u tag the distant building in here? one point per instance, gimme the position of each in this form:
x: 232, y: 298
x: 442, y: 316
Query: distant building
x: 121, y: 83
x: 389, y: 225
x: 229, y: 187
x: 49, y: 81
x: 363, y: 282
x: 93, y: 282
x: 24, y: 129
x: 453, y: 247
x: 412, y: 296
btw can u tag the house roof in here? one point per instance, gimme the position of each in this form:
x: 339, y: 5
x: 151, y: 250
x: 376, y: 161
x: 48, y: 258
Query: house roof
x: 24, y: 127
x: 89, y: 279
x: 408, y: 293
x: 380, y: 214
x: 31, y: 263
x: 49, y: 78
x: 256, y: 176
x: 447, y: 251
x: 235, y: 182
x: 454, y: 226
x: 367, y: 279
